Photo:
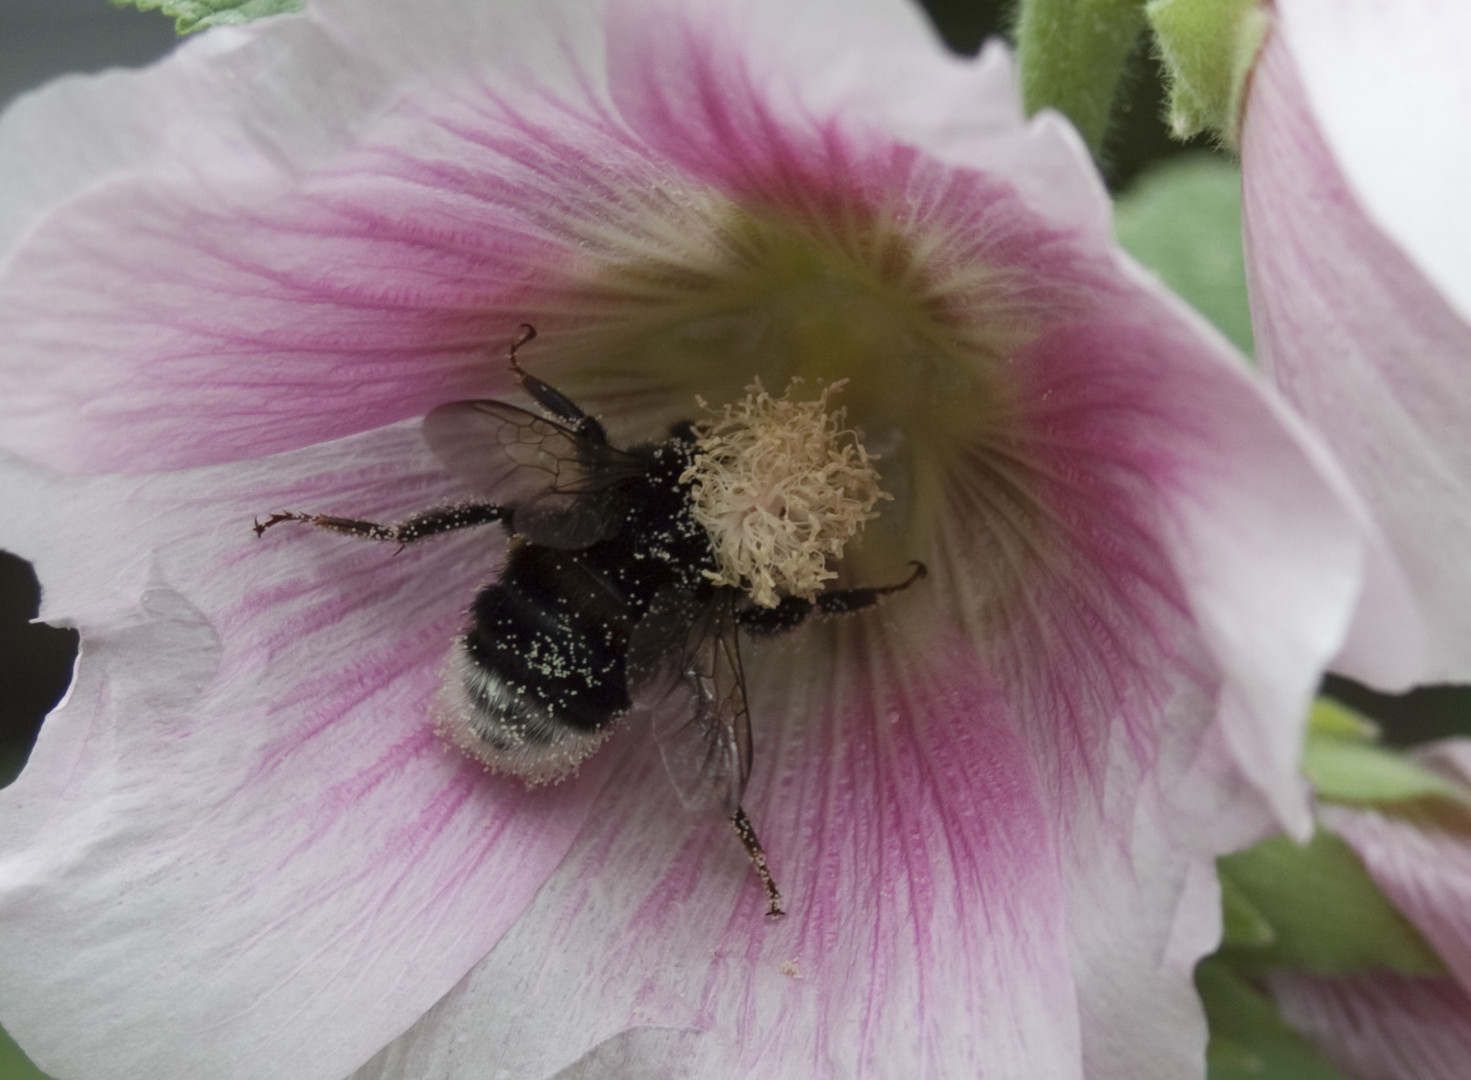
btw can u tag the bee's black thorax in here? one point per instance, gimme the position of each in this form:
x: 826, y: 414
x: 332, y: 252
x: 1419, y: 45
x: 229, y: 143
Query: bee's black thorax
x: 553, y: 631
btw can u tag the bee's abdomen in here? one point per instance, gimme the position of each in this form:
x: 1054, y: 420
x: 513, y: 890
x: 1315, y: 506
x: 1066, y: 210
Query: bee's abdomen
x: 551, y: 642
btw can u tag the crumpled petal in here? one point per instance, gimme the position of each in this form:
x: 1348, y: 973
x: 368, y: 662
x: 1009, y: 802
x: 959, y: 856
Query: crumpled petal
x: 1356, y: 227
x: 239, y: 839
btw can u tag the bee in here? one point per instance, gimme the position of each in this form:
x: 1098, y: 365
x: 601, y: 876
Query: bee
x: 610, y: 601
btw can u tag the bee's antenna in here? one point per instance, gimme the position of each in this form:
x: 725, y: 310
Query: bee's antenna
x: 527, y: 332
x: 747, y: 833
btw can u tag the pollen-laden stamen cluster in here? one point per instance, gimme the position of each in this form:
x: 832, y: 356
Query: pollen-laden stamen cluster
x: 781, y: 486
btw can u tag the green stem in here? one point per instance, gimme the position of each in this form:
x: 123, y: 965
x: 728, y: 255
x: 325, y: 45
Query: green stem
x: 1072, y: 53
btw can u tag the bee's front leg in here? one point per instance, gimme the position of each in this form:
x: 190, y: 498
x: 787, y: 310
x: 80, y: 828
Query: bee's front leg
x: 550, y: 398
x: 793, y: 611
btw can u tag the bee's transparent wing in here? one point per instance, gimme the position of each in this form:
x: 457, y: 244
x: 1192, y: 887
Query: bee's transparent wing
x: 684, y: 668
x: 562, y: 487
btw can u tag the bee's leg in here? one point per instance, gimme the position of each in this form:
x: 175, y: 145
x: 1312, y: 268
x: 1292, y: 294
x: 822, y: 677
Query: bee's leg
x: 844, y: 601
x: 552, y: 399
x: 428, y: 523
x: 793, y: 610
x: 747, y: 833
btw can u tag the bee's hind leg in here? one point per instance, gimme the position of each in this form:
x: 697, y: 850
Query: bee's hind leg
x: 788, y: 615
x: 442, y: 519
x: 747, y: 832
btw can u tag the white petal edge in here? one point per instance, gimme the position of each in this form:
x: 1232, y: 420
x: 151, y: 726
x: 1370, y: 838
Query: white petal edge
x: 1391, y: 91
x: 1372, y: 356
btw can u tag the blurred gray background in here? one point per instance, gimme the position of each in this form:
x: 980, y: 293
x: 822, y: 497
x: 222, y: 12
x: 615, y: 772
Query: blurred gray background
x: 42, y: 38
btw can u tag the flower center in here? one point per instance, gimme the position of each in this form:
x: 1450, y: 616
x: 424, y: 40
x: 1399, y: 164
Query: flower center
x: 781, y: 486
x: 920, y: 337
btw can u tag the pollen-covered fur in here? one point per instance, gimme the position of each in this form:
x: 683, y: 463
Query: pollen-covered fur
x: 499, y: 725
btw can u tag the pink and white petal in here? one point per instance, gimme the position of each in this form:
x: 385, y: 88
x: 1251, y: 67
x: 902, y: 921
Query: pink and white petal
x: 1381, y: 1026
x: 376, y: 279
x: 1176, y: 461
x: 1083, y: 724
x: 1194, y: 569
x: 1207, y: 570
x: 550, y: 48
x: 775, y: 147
x: 776, y: 136
x: 1399, y: 138
x: 82, y: 132
x: 344, y: 62
x: 914, y: 844
x: 750, y: 97
x: 1367, y: 349
x: 1221, y: 523
x: 239, y: 848
x: 1141, y: 914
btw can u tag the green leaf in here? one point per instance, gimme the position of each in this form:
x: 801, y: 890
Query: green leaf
x: 1248, y: 1040
x: 1359, y: 773
x: 192, y: 15
x: 1346, y: 763
x: 1242, y: 923
x: 1329, y: 717
x: 1327, y: 915
x: 1207, y: 48
x: 1071, y: 53
x: 1182, y: 219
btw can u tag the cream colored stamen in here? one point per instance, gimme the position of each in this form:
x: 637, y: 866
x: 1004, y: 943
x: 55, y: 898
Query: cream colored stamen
x: 781, y: 486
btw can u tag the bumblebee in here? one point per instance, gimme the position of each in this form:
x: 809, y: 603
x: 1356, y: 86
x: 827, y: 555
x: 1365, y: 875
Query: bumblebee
x: 618, y: 595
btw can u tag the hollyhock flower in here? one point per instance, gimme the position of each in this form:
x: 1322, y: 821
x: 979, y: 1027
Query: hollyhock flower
x: 1384, y: 1025
x: 234, y: 284
x: 1357, y: 228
